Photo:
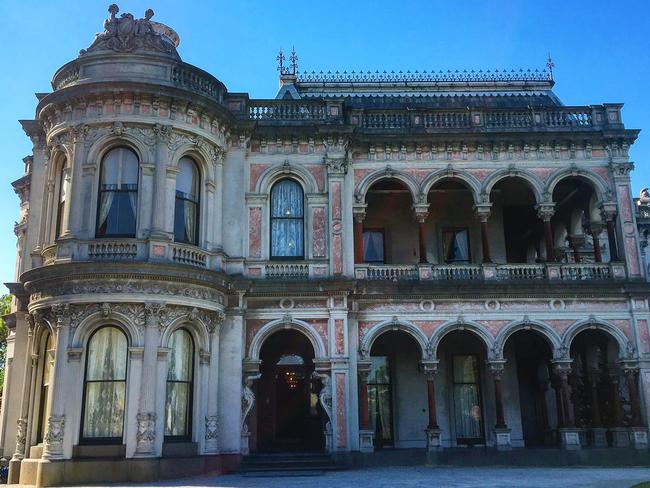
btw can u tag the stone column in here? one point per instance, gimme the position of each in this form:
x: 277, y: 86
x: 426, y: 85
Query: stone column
x: 482, y: 212
x: 608, y: 215
x: 421, y: 214
x: 212, y: 413
x: 599, y: 433
x: 366, y: 433
x: 433, y: 431
x: 146, y: 418
x: 638, y: 433
x: 501, y: 430
x: 21, y: 427
x: 569, y: 434
x: 158, y: 230
x: 337, y: 168
x: 71, y: 219
x: 217, y: 234
x: 359, y: 217
x: 620, y: 434
x: 575, y: 241
x: 595, y: 230
x: 545, y: 212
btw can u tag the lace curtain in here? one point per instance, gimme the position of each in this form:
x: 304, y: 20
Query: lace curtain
x: 118, y: 196
x: 105, y: 384
x: 179, y: 384
x: 187, y: 201
x: 373, y: 247
x: 456, y: 246
x: 287, y: 225
x: 467, y: 405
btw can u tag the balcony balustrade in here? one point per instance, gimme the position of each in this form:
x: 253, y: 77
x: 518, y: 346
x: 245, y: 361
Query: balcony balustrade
x: 492, y: 272
x: 427, y: 119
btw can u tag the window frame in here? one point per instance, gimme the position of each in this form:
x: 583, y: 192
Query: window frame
x: 190, y: 404
x: 468, y: 441
x: 60, y: 205
x: 103, y: 440
x: 197, y: 202
x: 380, y: 230
x: 44, y: 390
x: 442, y: 245
x: 100, y: 193
x: 273, y: 257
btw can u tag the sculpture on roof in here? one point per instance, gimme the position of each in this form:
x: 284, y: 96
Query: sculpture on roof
x: 125, y: 34
x: 644, y: 197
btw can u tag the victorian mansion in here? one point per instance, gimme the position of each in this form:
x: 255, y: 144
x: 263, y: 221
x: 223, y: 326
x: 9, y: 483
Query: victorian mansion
x: 370, y: 263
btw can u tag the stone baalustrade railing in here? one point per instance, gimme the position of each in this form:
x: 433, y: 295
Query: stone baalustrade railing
x: 432, y: 119
x: 492, y: 272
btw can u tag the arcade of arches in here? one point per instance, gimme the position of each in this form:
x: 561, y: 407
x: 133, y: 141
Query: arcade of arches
x: 511, y: 226
x: 529, y: 397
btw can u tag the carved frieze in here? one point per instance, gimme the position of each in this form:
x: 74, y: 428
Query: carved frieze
x: 54, y: 435
x: 146, y: 433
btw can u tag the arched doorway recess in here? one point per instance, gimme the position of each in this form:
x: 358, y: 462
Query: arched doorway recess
x: 289, y: 416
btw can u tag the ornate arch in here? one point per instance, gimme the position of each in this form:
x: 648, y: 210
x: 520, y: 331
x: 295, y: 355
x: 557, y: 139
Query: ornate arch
x: 598, y: 184
x: 393, y: 325
x: 535, y: 184
x: 625, y: 346
x: 200, y: 323
x: 286, y: 323
x: 451, y: 173
x: 278, y: 172
x: 129, y: 317
x: 108, y: 141
x: 389, y: 173
x: 552, y: 338
x: 461, y: 325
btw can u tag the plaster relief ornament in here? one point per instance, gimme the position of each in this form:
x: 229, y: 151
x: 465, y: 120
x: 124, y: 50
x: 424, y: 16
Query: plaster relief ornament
x: 54, y: 435
x: 146, y: 434
x: 125, y: 34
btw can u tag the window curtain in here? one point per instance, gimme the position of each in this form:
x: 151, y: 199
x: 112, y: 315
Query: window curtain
x: 190, y: 221
x: 373, y: 247
x: 105, y: 384
x: 287, y: 219
x: 467, y: 405
x: 461, y: 246
x: 119, y: 176
x: 179, y: 384
x: 186, y: 222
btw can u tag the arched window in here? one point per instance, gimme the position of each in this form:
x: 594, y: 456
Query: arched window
x: 186, y: 212
x: 105, y: 386
x: 44, y: 407
x: 63, y: 190
x: 287, y: 214
x: 178, y: 406
x: 118, y: 194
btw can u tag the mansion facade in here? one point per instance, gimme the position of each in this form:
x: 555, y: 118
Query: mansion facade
x: 370, y: 261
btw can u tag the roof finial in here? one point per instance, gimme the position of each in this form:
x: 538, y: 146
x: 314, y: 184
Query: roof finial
x: 550, y: 65
x: 280, y: 59
x: 294, y: 61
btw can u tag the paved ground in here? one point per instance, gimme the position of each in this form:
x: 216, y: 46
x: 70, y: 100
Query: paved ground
x: 421, y: 477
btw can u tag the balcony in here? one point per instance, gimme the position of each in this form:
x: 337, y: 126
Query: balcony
x: 491, y: 272
x: 372, y: 120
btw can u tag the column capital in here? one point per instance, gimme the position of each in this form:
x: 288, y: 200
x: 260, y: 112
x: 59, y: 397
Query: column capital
x: 421, y: 212
x: 496, y: 367
x: 482, y: 211
x: 430, y: 369
x: 359, y: 212
x: 608, y: 211
x: 336, y: 166
x: 545, y: 211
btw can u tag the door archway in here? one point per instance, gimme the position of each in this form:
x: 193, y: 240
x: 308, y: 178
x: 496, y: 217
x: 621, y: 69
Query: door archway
x: 289, y: 416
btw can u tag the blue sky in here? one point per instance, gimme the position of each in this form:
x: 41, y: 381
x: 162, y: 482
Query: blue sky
x: 600, y: 49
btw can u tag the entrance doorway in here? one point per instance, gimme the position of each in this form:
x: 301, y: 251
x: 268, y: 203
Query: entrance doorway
x: 289, y: 414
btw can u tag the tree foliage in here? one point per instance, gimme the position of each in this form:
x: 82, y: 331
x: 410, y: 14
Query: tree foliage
x: 5, y: 308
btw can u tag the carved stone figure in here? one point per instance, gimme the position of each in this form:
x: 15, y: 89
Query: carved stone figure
x: 325, y: 396
x: 54, y: 435
x: 20, y: 436
x: 146, y: 434
x: 247, y: 400
x: 125, y: 34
